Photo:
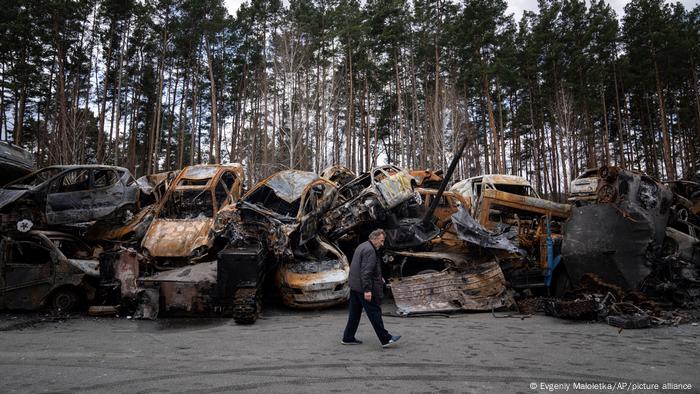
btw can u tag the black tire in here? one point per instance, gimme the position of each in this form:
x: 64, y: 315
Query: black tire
x: 65, y: 300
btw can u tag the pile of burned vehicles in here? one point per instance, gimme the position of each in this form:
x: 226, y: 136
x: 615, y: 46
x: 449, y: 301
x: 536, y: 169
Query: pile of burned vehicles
x: 195, y: 242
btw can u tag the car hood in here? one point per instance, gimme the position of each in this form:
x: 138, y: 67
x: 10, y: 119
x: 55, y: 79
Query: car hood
x: 89, y: 267
x: 176, y: 237
x: 8, y: 196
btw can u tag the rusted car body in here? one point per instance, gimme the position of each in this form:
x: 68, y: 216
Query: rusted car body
x: 66, y: 195
x: 511, y: 219
x: 15, y: 162
x: 317, y: 283
x: 340, y: 175
x: 369, y: 199
x: 285, y: 210
x: 427, y: 179
x: 46, y: 268
x: 182, y: 229
x: 448, y: 205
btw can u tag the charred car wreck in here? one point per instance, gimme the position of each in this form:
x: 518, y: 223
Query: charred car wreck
x: 47, y: 268
x: 284, y: 210
x: 373, y: 199
x: 185, y: 220
x: 504, y: 213
x: 60, y: 195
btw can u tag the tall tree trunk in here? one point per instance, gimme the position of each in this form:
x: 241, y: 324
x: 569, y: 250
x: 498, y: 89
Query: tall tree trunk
x: 665, y: 138
x: 19, y: 121
x: 171, y: 116
x: 606, y: 131
x: 620, y: 128
x: 213, y: 156
x: 62, y: 115
x: 119, y: 90
x: 492, y: 124
x: 103, y: 105
x: 350, y: 111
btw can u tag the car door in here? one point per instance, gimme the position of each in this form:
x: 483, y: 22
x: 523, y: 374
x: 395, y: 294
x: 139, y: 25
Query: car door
x: 107, y: 193
x: 70, y: 198
x: 27, y: 274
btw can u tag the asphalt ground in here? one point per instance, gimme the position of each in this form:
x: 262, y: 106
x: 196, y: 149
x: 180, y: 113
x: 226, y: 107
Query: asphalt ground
x: 300, y: 351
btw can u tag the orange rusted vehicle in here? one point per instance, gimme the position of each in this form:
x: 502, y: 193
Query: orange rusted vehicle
x: 185, y: 220
x: 504, y: 213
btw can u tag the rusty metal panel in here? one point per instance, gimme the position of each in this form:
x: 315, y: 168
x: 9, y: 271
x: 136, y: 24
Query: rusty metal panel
x: 126, y: 271
x: 187, y: 289
x: 530, y: 204
x: 480, y: 287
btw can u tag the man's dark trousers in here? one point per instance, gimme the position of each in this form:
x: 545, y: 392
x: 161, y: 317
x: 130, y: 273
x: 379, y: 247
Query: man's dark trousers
x: 374, y: 312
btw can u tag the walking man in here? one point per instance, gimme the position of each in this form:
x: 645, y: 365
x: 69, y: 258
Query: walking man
x: 366, y: 291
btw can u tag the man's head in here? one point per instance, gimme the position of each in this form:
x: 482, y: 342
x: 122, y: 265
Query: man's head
x: 376, y: 237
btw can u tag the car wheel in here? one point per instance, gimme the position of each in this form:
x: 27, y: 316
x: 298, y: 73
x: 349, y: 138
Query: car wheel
x: 65, y: 300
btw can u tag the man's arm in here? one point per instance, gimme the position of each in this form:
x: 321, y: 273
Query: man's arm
x: 368, y: 260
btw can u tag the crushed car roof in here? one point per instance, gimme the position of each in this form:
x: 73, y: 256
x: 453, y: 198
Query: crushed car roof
x: 287, y: 185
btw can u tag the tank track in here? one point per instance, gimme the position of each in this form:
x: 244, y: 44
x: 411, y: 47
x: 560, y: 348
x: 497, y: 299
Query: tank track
x: 246, y: 306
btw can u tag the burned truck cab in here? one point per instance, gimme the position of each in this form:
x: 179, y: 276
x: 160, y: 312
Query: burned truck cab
x: 504, y: 213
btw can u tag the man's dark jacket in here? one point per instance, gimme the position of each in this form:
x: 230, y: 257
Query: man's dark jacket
x: 366, y: 271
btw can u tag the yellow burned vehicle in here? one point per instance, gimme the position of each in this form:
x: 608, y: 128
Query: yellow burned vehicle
x: 504, y: 213
x: 285, y: 210
x: 183, y: 227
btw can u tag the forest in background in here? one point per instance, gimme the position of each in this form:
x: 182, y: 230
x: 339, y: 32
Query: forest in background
x: 158, y: 85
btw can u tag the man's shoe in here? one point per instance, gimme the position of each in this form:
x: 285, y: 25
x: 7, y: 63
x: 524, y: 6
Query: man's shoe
x: 353, y: 342
x: 394, y: 339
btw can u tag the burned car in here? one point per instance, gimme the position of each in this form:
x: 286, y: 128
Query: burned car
x: 15, y: 162
x: 285, y: 210
x: 153, y: 187
x: 369, y: 201
x: 47, y: 268
x: 72, y: 194
x: 184, y: 224
x: 583, y: 189
x: 472, y: 189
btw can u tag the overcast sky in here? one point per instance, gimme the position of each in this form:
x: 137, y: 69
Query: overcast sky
x: 514, y: 6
